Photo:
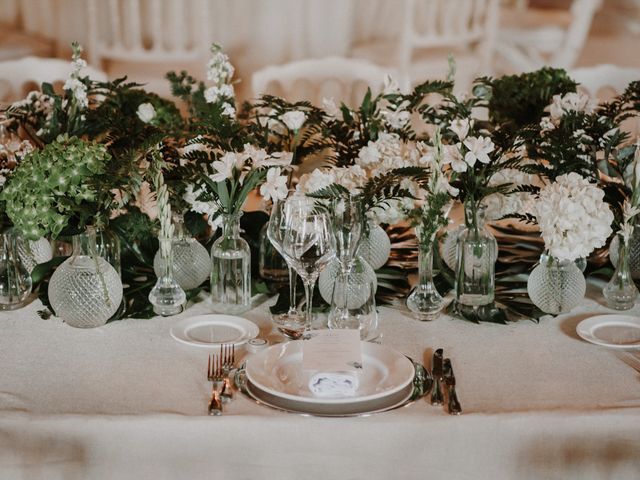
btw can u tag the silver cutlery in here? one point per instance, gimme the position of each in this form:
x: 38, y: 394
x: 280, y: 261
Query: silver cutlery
x: 450, y: 382
x: 436, y: 370
x: 215, y: 374
x: 227, y: 354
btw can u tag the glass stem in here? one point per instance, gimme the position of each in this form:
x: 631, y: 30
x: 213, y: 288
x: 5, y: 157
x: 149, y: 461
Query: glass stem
x: 293, y: 304
x: 308, y: 293
x: 425, y: 266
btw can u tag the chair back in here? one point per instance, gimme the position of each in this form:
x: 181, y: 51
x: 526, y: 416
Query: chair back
x: 343, y: 79
x: 147, y: 30
x: 604, y: 79
x: 17, y: 77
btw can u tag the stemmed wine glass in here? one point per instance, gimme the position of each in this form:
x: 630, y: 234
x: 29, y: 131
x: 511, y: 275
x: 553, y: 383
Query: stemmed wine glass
x: 291, y: 322
x: 310, y: 244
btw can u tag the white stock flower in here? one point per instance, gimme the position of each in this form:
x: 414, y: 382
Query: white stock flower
x: 294, y: 119
x: 479, y: 148
x: 228, y: 110
x: 146, y: 112
x: 330, y: 107
x: 461, y: 126
x: 79, y: 91
x: 219, y: 69
x: 275, y: 186
x: 572, y: 216
x: 214, y: 94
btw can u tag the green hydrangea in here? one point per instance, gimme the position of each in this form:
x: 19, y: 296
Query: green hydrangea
x: 55, y: 187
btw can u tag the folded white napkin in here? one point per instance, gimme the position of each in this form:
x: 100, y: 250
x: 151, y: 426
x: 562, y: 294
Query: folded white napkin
x: 334, y: 384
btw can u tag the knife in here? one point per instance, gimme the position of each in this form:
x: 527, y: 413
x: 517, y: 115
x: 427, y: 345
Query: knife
x: 436, y: 366
x: 450, y: 382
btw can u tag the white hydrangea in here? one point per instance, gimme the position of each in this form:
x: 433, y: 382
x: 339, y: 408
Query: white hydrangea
x: 316, y: 180
x: 573, y: 217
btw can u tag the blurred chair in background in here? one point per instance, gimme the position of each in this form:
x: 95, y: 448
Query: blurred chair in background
x: 431, y: 30
x: 343, y: 79
x: 154, y: 33
x: 37, y: 31
x: 18, y: 77
x: 531, y: 38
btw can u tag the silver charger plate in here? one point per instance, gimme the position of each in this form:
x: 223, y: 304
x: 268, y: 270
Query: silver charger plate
x: 421, y: 385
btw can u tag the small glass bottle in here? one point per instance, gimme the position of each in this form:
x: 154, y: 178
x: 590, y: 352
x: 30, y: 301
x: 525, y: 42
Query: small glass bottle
x: 425, y: 302
x: 231, y: 269
x: 15, y: 279
x: 167, y: 297
x: 476, y: 252
x: 621, y: 291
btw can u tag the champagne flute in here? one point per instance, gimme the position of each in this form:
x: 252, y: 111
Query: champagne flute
x: 310, y: 244
x: 291, y: 322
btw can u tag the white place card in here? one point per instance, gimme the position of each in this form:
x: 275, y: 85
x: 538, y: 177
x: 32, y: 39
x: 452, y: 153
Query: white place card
x: 332, y: 351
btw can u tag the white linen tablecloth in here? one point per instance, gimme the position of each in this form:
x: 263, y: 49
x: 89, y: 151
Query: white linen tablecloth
x: 127, y: 401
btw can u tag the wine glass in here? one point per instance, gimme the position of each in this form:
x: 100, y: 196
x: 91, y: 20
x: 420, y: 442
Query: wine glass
x: 310, y: 244
x: 290, y: 323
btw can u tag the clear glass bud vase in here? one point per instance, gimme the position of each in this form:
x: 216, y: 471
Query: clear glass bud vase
x: 476, y: 255
x: 15, y: 277
x: 167, y: 296
x: 85, y: 290
x: 231, y: 269
x: 621, y: 291
x: 425, y: 302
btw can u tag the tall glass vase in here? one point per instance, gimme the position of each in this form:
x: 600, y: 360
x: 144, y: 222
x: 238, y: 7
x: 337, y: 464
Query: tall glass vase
x: 621, y: 291
x: 231, y: 269
x: 476, y: 252
x: 425, y: 302
x: 167, y: 296
x: 85, y: 290
x: 15, y: 279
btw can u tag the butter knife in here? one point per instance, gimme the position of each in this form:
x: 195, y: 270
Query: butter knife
x: 436, y: 367
x: 450, y: 382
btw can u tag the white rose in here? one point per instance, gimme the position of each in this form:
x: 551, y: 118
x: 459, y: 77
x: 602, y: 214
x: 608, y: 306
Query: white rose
x: 146, y: 112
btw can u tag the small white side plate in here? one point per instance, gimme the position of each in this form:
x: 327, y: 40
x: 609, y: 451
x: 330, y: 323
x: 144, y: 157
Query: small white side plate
x: 613, y: 331
x: 213, y: 330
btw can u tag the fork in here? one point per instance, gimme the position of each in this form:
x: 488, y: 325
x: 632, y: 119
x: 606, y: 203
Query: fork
x: 215, y: 374
x: 227, y: 354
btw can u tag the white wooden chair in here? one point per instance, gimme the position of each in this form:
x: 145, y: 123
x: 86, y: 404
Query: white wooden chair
x: 603, y: 81
x: 343, y: 79
x: 533, y: 41
x: 155, y: 31
x: 431, y: 30
x: 17, y: 77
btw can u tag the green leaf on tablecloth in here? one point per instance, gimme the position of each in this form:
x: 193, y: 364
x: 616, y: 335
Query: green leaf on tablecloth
x: 41, y: 271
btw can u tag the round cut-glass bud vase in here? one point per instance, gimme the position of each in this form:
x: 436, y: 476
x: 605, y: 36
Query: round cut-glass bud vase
x: 231, y: 269
x: 191, y: 263
x: 556, y: 286
x: 85, y: 290
x: 425, y: 302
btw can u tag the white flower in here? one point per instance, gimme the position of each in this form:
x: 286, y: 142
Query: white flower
x: 206, y: 208
x: 316, y: 180
x: 460, y: 126
x: 146, y: 112
x: 275, y: 186
x: 226, y: 166
x: 398, y: 117
x: 451, y: 155
x: 219, y: 69
x: 570, y: 102
x: 573, y: 217
x: 281, y: 158
x: 228, y: 110
x: 214, y: 94
x: 78, y: 89
x: 330, y: 107
x: 368, y: 154
x: 546, y: 124
x: 479, y: 148
x: 294, y: 119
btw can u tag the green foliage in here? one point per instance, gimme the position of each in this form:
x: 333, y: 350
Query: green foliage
x: 58, y: 187
x: 518, y: 100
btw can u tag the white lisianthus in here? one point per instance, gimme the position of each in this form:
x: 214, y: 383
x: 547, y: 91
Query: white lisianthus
x: 573, y: 217
x: 294, y: 119
x: 146, y: 113
x: 452, y: 155
x: 275, y: 186
x: 479, y: 149
x: 330, y: 107
x: 461, y: 126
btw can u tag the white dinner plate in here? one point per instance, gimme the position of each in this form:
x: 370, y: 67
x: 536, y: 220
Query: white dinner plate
x: 330, y: 409
x: 277, y: 371
x: 214, y: 330
x: 614, y: 331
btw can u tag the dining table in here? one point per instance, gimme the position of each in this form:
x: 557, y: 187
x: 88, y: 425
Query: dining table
x: 127, y: 401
